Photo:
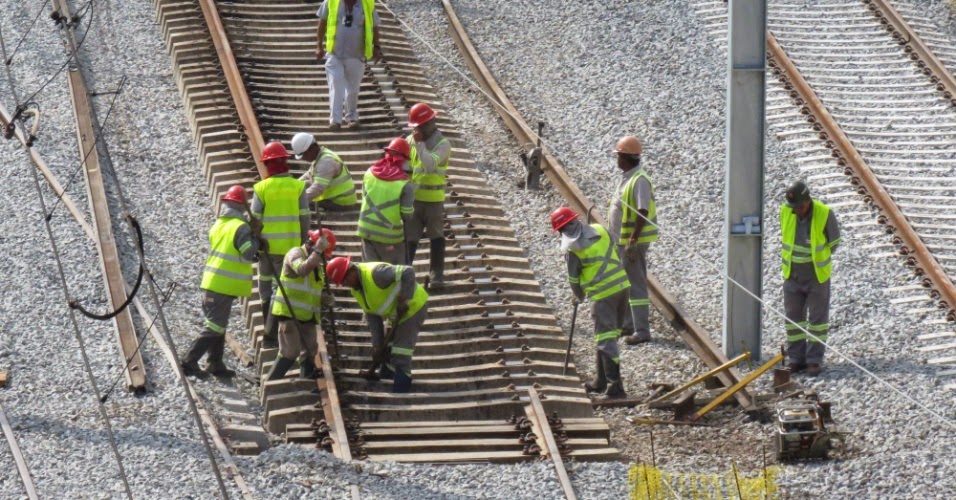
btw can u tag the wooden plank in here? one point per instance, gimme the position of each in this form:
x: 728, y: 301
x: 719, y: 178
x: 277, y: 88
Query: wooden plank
x: 543, y: 429
x: 18, y: 456
x: 4, y: 378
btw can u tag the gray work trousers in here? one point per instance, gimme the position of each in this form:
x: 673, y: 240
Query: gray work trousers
x: 293, y: 342
x: 639, y: 320
x: 403, y: 342
x: 428, y: 219
x: 609, y: 315
x: 807, y: 304
x: 268, y: 274
x: 373, y: 251
x: 215, y: 311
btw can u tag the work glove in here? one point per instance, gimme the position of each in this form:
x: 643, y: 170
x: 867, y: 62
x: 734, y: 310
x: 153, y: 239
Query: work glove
x: 328, y: 300
x: 632, y: 252
x: 401, y: 309
x: 263, y: 245
x: 321, y: 245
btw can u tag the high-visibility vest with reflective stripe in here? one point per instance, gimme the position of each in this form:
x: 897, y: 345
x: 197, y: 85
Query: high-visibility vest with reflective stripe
x: 332, y: 21
x: 341, y: 189
x: 602, y: 274
x: 629, y: 214
x: 280, y: 220
x: 381, y: 217
x: 305, y: 295
x: 382, y: 301
x: 226, y: 272
x: 428, y: 187
x: 819, y: 248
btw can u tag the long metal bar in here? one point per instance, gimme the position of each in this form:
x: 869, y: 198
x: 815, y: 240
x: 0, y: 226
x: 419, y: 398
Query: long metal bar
x: 543, y: 428
x: 18, y: 456
x: 737, y: 387
x: 700, y: 378
x: 692, y: 333
x: 846, y: 152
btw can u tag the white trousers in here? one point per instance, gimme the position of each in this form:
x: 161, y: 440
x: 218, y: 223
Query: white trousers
x: 345, y: 77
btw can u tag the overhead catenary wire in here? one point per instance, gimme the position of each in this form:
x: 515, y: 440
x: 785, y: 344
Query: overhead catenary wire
x: 932, y: 413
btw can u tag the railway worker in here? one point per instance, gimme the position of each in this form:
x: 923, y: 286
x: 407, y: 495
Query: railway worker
x: 809, y: 235
x: 387, y: 205
x: 347, y: 38
x: 430, y: 152
x: 595, y: 272
x: 302, y: 279
x: 328, y: 181
x: 228, y: 274
x: 384, y: 291
x: 632, y: 223
x: 280, y: 207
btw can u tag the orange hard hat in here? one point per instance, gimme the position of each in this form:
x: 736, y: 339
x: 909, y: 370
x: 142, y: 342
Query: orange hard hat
x: 399, y: 146
x: 562, y: 217
x: 420, y: 113
x: 629, y: 145
x: 336, y: 268
x: 329, y: 236
x: 236, y: 193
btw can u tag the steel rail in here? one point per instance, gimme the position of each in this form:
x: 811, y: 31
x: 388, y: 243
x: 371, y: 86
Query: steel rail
x: 22, y: 467
x: 842, y: 148
x: 692, y: 333
x: 550, y: 449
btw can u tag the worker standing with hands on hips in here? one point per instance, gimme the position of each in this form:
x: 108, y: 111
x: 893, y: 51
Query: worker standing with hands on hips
x: 300, y: 312
x: 387, y: 200
x: 430, y: 152
x: 228, y: 274
x: 328, y: 181
x: 632, y: 223
x: 596, y: 272
x: 384, y: 291
x: 809, y: 234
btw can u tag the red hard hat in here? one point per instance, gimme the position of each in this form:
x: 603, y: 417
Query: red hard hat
x: 329, y: 236
x: 274, y: 150
x: 419, y: 114
x: 336, y: 268
x: 562, y: 217
x: 236, y: 193
x: 399, y: 146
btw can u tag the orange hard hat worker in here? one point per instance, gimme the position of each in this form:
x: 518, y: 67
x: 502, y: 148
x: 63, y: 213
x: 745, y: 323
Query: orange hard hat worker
x: 562, y: 217
x: 314, y: 236
x: 420, y: 114
x: 275, y: 158
x: 336, y: 269
x: 235, y: 194
x: 629, y: 145
x: 399, y: 146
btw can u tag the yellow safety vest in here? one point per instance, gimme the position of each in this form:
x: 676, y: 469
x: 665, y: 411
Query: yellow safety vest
x: 602, y: 274
x: 226, y: 272
x: 331, y: 25
x: 380, y: 219
x: 341, y: 189
x: 629, y: 214
x: 280, y: 220
x: 819, y: 247
x: 305, y: 295
x: 382, y: 301
x: 428, y: 187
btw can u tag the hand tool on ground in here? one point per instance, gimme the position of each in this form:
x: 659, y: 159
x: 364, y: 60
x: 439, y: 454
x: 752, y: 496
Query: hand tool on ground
x: 701, y: 378
x: 532, y: 163
x: 567, y: 355
x: 738, y: 386
x: 654, y: 421
x: 328, y: 289
x: 381, y: 353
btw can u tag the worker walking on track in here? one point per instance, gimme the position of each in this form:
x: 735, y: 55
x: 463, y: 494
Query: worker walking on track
x: 227, y: 275
x: 280, y: 205
x: 387, y: 205
x: 595, y: 271
x: 328, y: 181
x: 301, y: 311
x: 347, y: 38
x: 430, y: 152
x: 389, y: 292
x: 809, y: 235
x: 632, y: 223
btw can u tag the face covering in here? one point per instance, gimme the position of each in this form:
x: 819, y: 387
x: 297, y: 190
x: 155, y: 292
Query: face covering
x: 569, y: 235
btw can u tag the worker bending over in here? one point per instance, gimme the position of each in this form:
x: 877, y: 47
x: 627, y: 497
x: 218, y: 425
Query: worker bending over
x: 595, y: 271
x: 386, y: 206
x: 384, y: 291
x: 328, y: 181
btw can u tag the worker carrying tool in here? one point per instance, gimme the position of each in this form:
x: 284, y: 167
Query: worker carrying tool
x: 632, y: 224
x: 595, y: 271
x: 281, y: 207
x: 430, y: 152
x: 387, y: 205
x: 328, y: 181
x: 227, y: 275
x: 300, y: 312
x: 809, y: 234
x: 384, y: 291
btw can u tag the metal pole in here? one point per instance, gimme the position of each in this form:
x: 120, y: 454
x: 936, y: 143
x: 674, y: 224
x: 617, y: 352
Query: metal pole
x: 743, y: 193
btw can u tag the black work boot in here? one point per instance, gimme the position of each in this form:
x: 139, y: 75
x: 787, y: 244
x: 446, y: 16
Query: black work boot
x: 279, y: 368
x: 403, y: 382
x: 386, y: 373
x: 411, y: 248
x: 270, y: 335
x: 436, y: 275
x: 599, y: 383
x: 190, y: 363
x: 307, y: 367
x: 214, y: 364
x: 615, y: 386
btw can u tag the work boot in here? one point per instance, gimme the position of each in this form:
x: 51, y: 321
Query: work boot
x: 270, y: 336
x: 386, y: 373
x: 636, y: 339
x: 190, y: 363
x: 599, y: 383
x: 307, y: 368
x: 436, y: 275
x: 403, y: 382
x: 279, y: 368
x: 411, y: 248
x: 796, y: 367
x: 214, y: 364
x: 615, y: 387
x: 814, y: 369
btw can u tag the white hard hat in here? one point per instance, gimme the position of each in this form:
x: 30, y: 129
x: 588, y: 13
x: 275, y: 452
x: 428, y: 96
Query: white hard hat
x: 300, y: 143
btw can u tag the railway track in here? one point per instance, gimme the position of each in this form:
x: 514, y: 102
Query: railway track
x: 870, y: 106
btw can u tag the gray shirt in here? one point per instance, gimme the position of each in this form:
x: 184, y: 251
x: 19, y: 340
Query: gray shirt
x: 298, y: 265
x: 432, y: 152
x: 319, y: 175
x: 575, y: 266
x: 384, y: 275
x: 801, y: 242
x: 243, y: 240
x: 641, y: 201
x: 349, y: 41
x: 305, y: 214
